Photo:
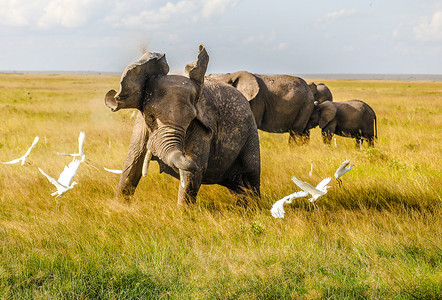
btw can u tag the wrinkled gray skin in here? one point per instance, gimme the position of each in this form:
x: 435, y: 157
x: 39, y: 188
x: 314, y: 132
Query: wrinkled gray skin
x: 280, y: 103
x: 321, y: 92
x: 352, y: 118
x: 204, y: 128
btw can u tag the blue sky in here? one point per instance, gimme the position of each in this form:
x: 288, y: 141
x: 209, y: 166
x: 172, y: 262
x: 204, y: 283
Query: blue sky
x: 279, y: 36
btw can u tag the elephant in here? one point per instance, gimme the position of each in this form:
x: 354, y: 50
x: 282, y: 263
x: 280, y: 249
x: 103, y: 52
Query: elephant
x: 280, y: 103
x: 201, y: 131
x: 352, y: 118
x: 321, y: 92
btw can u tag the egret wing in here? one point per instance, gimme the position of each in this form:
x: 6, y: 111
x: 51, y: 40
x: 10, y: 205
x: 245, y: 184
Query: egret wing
x: 81, y: 138
x: 304, y: 185
x: 277, y: 209
x: 114, y: 171
x: 65, y: 154
x: 338, y: 172
x: 32, y: 146
x: 52, y: 180
x: 69, y: 172
x: 13, y: 161
x: 294, y: 195
x: 323, y: 184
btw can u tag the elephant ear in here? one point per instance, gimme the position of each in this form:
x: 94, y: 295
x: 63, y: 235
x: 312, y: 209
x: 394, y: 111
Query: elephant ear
x: 247, y: 84
x: 313, y: 87
x: 327, y: 112
x: 134, y: 79
x: 197, y: 69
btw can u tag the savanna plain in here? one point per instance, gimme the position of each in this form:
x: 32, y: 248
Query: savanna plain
x: 379, y: 236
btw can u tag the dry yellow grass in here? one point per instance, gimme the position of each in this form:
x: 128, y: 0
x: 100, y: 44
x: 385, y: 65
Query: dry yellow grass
x: 379, y: 236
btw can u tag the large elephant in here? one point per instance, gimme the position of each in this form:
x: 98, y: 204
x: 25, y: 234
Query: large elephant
x: 280, y: 103
x: 352, y: 118
x: 202, y: 132
x: 321, y: 92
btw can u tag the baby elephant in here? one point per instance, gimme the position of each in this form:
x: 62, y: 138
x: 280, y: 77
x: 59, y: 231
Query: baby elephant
x: 352, y: 118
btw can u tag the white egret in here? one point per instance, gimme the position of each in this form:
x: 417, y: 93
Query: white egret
x: 277, y: 209
x: 114, y: 171
x: 311, y: 169
x: 63, y: 183
x: 24, y: 157
x: 316, y: 192
x: 336, y: 144
x: 80, y: 153
x: 343, y: 168
x: 360, y: 145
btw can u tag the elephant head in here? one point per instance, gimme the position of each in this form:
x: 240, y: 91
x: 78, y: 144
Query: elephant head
x: 321, y: 92
x: 168, y: 103
x: 323, y: 113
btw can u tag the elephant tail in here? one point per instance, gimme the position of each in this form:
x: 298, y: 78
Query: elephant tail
x: 375, y: 127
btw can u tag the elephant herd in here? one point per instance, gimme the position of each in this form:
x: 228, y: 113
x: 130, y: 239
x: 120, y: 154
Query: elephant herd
x: 203, y: 129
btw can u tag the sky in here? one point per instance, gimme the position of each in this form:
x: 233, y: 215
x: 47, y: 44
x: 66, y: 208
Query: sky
x: 260, y: 36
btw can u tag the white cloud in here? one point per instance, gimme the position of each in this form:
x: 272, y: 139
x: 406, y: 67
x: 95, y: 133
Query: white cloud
x: 46, y: 14
x: 282, y: 46
x: 212, y: 7
x: 348, y: 48
x: 430, y: 31
x: 340, y: 14
x: 253, y: 39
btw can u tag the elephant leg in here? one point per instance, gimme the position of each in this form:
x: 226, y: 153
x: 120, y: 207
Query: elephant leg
x: 327, y: 136
x: 247, y: 184
x: 296, y: 138
x: 133, y: 165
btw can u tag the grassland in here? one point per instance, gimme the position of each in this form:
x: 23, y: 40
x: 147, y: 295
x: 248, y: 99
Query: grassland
x: 377, y: 237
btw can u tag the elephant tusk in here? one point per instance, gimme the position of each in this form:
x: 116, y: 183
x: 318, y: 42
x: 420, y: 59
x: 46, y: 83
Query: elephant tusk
x: 146, y: 163
x: 182, y: 178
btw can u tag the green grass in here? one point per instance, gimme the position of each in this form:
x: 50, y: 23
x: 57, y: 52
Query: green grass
x: 377, y: 237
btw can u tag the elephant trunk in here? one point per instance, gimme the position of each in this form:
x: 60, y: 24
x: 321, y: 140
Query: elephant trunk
x: 166, y: 143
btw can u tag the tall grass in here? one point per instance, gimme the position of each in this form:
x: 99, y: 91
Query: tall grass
x: 379, y: 236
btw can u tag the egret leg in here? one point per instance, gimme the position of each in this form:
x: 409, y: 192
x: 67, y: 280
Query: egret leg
x: 57, y: 206
x: 339, y: 182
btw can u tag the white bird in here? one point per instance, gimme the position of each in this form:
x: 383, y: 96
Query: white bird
x: 311, y: 169
x: 343, y: 168
x: 63, y: 183
x: 277, y: 209
x: 316, y: 192
x: 24, y: 157
x: 360, y: 145
x: 114, y: 171
x: 336, y: 144
x: 80, y: 153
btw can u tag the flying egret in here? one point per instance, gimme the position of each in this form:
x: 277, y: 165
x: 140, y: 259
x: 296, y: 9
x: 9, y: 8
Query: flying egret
x: 24, y: 157
x: 320, y: 190
x: 343, y: 168
x: 62, y: 184
x: 277, y: 209
x: 311, y: 169
x: 114, y: 171
x: 80, y: 153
